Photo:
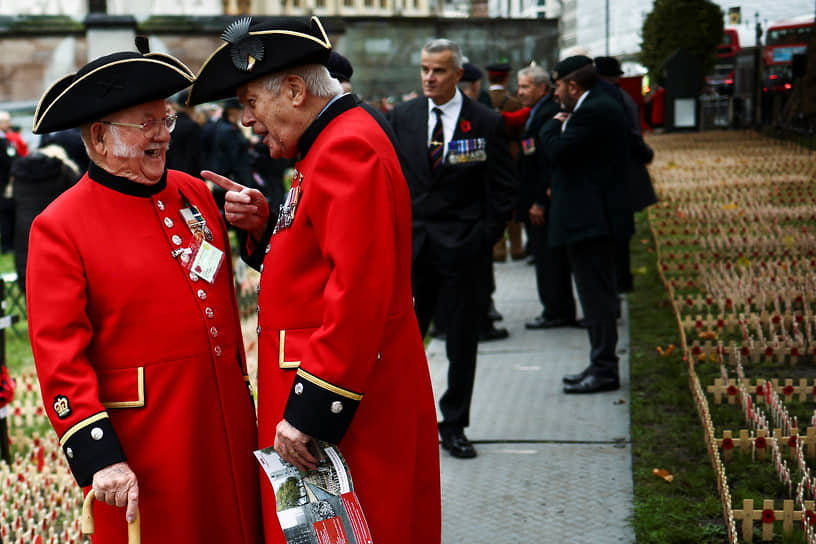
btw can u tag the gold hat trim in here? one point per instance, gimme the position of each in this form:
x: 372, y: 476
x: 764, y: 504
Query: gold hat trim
x: 324, y: 42
x: 38, y: 118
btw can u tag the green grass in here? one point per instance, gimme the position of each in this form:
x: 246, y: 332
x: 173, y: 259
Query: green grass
x: 666, y: 430
x: 18, y: 349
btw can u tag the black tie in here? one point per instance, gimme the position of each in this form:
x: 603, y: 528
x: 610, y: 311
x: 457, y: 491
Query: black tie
x: 437, y: 139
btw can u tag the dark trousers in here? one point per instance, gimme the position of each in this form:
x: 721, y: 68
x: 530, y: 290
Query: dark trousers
x: 623, y: 266
x: 593, y: 264
x: 454, y: 285
x: 487, y: 288
x: 553, y: 276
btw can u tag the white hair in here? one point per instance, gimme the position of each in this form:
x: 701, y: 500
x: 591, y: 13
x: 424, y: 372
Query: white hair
x: 537, y: 73
x: 119, y: 148
x: 316, y: 76
x: 440, y: 45
x: 58, y: 152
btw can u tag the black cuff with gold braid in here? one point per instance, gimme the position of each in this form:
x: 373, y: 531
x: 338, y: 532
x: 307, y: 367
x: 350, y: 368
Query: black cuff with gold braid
x: 320, y: 409
x: 91, y: 445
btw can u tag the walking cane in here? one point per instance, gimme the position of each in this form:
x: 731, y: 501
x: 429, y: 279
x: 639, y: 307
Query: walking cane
x: 134, y: 528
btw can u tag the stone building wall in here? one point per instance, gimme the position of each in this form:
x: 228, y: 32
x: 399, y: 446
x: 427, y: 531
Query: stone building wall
x: 383, y: 51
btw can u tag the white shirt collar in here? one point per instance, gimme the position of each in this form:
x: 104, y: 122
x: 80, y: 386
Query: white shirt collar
x: 580, y: 101
x: 450, y: 115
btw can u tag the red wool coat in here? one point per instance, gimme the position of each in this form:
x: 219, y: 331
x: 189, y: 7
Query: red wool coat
x: 340, y: 355
x: 139, y: 359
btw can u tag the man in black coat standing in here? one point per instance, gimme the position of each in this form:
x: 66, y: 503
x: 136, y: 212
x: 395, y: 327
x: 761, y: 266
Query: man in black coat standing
x: 459, y: 171
x: 587, y: 145
x: 184, y: 152
x: 640, y: 154
x: 553, y: 275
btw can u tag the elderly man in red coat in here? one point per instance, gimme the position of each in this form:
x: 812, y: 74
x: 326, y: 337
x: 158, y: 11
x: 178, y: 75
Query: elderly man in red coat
x: 340, y: 354
x: 133, y: 319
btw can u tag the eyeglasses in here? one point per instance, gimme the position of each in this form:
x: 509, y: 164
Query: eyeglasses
x: 148, y: 126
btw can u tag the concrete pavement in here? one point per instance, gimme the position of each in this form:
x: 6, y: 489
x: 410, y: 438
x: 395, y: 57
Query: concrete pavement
x: 551, y: 467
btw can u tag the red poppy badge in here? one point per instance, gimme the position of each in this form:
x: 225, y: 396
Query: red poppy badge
x: 464, y: 125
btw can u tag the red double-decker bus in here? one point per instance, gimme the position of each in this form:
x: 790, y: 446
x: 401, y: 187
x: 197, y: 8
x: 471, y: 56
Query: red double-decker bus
x: 721, y: 79
x: 784, y: 40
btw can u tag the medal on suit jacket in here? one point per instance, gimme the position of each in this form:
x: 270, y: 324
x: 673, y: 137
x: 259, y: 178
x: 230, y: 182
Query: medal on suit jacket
x: 200, y: 257
x: 286, y: 213
x: 528, y: 146
x: 469, y: 150
x: 195, y: 221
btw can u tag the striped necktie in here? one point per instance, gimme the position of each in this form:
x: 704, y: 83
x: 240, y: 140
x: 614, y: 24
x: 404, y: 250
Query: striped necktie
x: 437, y: 140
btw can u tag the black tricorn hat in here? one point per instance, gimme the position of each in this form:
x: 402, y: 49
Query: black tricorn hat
x: 339, y: 67
x: 109, y: 84
x: 608, y: 66
x: 254, y: 47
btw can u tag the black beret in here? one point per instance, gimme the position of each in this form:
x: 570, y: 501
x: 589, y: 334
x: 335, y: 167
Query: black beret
x: 254, y: 47
x: 109, y: 84
x: 608, y: 66
x: 569, y: 65
x: 471, y: 72
x: 339, y: 67
x: 499, y: 67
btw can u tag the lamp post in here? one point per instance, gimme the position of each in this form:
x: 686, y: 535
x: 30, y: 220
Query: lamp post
x: 607, y: 28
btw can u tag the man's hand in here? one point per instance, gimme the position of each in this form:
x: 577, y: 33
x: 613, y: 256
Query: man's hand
x: 562, y: 116
x: 117, y: 486
x: 293, y: 446
x: 244, y: 207
x: 538, y: 214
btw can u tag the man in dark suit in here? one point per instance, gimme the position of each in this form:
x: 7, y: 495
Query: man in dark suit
x: 640, y: 183
x: 459, y: 171
x: 588, y: 147
x: 184, y: 152
x: 553, y: 275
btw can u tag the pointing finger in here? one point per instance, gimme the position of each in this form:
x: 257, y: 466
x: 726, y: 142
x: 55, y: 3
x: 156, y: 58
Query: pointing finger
x: 225, y: 183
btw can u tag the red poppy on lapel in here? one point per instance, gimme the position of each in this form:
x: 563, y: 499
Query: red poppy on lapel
x: 464, y: 125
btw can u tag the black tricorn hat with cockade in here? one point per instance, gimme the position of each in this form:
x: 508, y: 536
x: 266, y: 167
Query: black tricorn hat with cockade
x: 109, y: 84
x: 254, y: 47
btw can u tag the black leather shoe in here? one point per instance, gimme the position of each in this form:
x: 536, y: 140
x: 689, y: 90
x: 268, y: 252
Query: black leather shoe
x: 541, y: 322
x: 493, y: 333
x: 458, y: 445
x: 572, y: 379
x: 593, y: 384
x: 493, y: 314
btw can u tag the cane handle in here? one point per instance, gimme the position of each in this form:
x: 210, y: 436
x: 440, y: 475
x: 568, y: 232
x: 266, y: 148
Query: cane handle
x: 87, y: 520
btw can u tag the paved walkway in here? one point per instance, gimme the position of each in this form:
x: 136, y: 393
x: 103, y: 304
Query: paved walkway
x: 551, y: 467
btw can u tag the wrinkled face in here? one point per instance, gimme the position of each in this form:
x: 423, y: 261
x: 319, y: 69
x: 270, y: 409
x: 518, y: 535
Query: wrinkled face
x: 131, y: 152
x: 439, y: 77
x: 271, y: 117
x: 528, y: 92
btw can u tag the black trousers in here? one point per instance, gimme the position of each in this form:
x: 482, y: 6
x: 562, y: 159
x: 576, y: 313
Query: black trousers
x: 623, y: 267
x: 593, y: 264
x: 553, y: 276
x: 453, y: 285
